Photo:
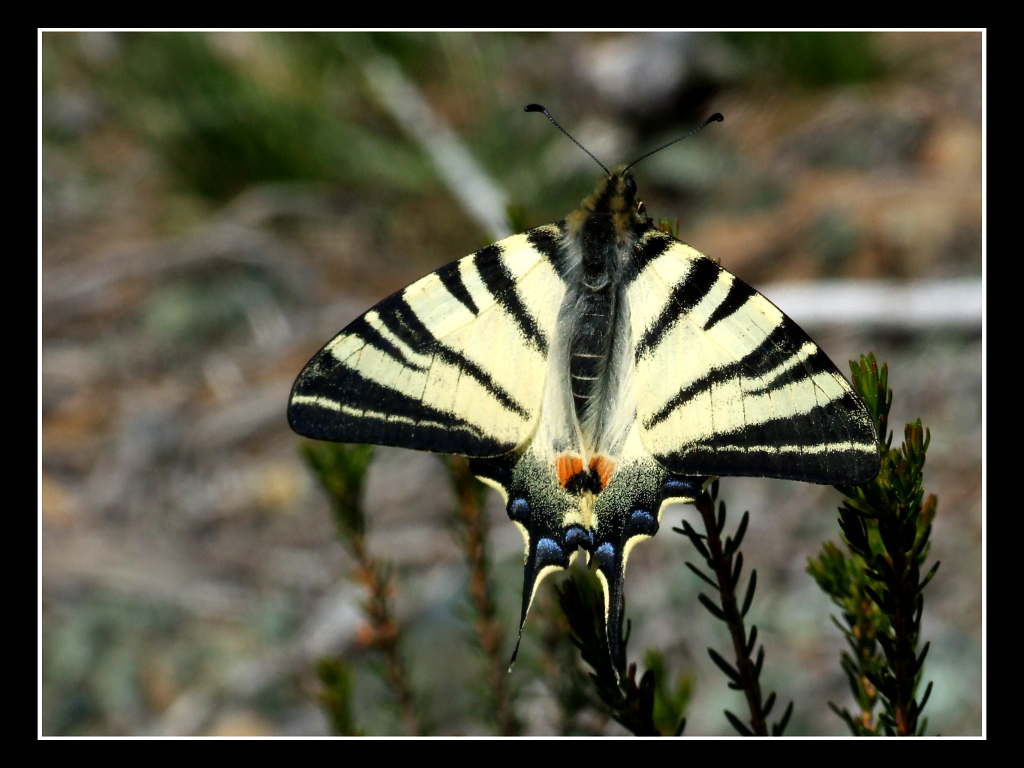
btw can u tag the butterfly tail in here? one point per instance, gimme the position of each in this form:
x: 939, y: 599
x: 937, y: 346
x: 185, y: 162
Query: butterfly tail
x: 544, y: 556
x: 548, y: 544
x: 628, y: 512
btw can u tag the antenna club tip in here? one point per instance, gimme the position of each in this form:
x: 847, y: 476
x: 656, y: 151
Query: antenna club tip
x: 715, y: 118
x: 534, y: 108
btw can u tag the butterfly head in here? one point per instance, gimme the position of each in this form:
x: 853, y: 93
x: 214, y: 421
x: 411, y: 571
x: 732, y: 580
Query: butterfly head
x: 615, y: 193
x: 614, y: 204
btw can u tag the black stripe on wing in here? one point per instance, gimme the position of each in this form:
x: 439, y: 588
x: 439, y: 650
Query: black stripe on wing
x: 737, y: 296
x: 549, y: 243
x: 647, y: 249
x: 383, y: 416
x: 499, y: 281
x: 403, y: 322
x: 451, y: 278
x: 790, y: 447
x: 684, y: 297
x: 780, y: 346
x: 798, y: 369
x: 367, y: 333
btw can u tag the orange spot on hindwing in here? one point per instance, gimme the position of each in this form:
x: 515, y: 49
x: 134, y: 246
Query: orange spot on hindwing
x: 575, y: 479
x: 603, y: 467
x: 568, y: 465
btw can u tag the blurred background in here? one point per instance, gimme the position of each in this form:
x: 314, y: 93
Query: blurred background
x: 217, y: 205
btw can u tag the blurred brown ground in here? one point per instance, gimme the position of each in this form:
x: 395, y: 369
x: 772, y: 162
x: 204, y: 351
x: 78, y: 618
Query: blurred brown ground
x: 191, y: 576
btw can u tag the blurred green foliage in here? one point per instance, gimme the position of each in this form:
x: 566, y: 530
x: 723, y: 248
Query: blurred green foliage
x: 835, y: 239
x: 93, y: 683
x: 219, y: 128
x: 336, y: 696
x: 341, y: 470
x: 226, y: 111
x: 671, y: 696
x: 194, y: 309
x: 810, y: 59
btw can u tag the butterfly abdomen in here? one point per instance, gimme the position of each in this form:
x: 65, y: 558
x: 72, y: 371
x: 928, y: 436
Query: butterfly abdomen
x: 590, y: 347
x: 595, y: 233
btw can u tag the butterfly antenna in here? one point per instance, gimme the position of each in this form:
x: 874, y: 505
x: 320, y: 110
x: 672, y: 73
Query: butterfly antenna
x: 715, y: 118
x: 541, y: 108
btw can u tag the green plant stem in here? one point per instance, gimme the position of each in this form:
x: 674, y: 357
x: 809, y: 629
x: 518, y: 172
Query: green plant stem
x: 904, y: 633
x: 864, y: 632
x: 723, y: 567
x: 383, y: 630
x: 902, y: 626
x: 489, y: 630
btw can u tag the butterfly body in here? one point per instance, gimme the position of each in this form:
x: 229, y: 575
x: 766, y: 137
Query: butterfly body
x: 594, y: 370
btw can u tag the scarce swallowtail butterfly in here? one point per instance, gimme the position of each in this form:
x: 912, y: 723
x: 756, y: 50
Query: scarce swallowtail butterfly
x: 593, y: 370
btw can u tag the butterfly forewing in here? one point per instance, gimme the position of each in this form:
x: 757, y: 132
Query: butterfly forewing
x: 454, y: 363
x: 728, y: 385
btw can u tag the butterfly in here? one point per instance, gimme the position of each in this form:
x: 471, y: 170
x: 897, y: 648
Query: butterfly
x: 594, y: 370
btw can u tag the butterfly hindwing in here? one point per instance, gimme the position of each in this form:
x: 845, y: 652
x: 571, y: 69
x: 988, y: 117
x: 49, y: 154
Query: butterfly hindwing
x: 728, y: 385
x: 454, y: 363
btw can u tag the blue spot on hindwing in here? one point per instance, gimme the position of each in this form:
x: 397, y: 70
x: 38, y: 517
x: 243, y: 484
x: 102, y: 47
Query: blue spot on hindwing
x: 641, y: 523
x: 519, y: 510
x: 578, y: 536
x: 550, y: 552
x: 605, y: 555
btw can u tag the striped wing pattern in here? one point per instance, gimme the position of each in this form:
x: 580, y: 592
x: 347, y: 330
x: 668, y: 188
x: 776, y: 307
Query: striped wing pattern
x: 454, y: 363
x: 728, y: 385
